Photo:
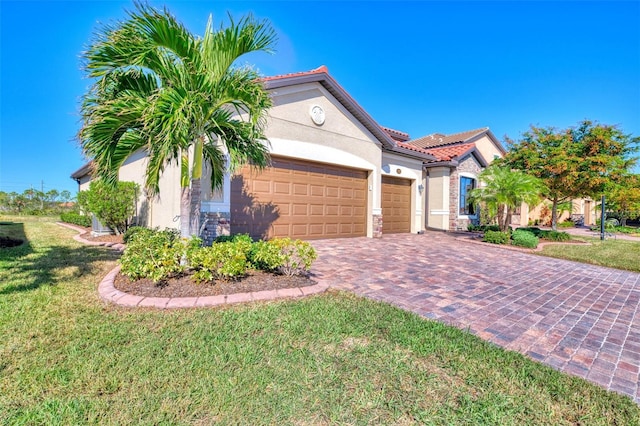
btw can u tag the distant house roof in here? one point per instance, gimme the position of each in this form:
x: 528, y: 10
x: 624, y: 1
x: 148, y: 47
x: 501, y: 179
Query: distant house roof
x: 439, y: 139
x: 448, y: 153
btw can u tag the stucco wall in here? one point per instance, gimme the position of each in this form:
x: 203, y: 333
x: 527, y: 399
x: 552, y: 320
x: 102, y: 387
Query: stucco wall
x: 438, y: 198
x: 487, y: 148
x: 161, y: 210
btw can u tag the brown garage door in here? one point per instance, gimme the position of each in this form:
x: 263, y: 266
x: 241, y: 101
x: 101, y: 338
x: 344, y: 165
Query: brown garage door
x: 299, y: 199
x: 396, y: 205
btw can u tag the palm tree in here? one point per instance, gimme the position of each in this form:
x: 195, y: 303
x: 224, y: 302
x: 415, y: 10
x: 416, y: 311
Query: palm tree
x: 179, y: 97
x: 504, y: 190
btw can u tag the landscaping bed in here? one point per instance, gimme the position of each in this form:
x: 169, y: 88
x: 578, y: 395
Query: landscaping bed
x: 185, y: 286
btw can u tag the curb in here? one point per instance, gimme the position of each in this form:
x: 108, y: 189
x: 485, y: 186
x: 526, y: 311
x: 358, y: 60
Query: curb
x: 109, y: 293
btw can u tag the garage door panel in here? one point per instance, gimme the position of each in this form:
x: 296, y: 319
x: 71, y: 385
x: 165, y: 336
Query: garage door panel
x: 396, y: 205
x: 312, y: 200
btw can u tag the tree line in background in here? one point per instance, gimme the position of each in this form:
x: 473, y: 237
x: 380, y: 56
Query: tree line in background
x: 34, y: 202
x: 589, y: 160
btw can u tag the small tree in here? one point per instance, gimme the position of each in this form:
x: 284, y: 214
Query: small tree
x: 623, y: 198
x: 574, y: 162
x: 113, y: 206
x: 504, y: 190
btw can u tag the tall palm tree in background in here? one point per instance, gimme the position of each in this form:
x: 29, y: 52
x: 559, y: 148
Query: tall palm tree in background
x: 504, y: 190
x: 178, y: 97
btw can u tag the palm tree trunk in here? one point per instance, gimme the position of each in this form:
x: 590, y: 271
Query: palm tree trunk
x: 507, y: 220
x: 196, y: 188
x: 194, y: 219
x: 185, y: 196
x: 185, y: 211
x: 501, y: 218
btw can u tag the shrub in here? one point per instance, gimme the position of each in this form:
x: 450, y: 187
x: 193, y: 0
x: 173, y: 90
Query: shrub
x: 297, y: 256
x: 76, y: 219
x: 134, y: 230
x: 266, y: 256
x: 226, y: 260
x: 554, y: 236
x: 156, y: 255
x: 566, y: 224
x: 113, y: 206
x: 496, y: 237
x: 534, y: 230
x: 237, y: 237
x: 482, y: 228
x: 524, y: 239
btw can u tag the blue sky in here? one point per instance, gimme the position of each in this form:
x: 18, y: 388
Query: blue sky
x: 419, y: 67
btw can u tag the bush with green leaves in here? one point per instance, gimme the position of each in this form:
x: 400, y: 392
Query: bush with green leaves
x: 496, y: 237
x: 266, y: 256
x: 226, y: 260
x: 566, y: 224
x: 297, y: 256
x: 482, y: 228
x: 153, y: 254
x: 76, y: 219
x: 523, y: 238
x: 554, y: 236
x: 113, y: 206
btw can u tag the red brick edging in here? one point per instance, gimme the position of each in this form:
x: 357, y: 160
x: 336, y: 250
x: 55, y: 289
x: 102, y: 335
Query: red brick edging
x: 108, y: 292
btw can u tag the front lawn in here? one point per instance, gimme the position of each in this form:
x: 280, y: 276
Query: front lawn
x: 66, y: 357
x: 619, y: 254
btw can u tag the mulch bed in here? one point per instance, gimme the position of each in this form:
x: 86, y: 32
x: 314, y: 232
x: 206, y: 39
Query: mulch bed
x: 184, y: 286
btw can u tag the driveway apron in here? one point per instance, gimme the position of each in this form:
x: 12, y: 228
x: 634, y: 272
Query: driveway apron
x: 577, y: 318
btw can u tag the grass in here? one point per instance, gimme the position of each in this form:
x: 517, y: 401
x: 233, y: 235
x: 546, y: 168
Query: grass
x: 68, y: 358
x: 619, y: 254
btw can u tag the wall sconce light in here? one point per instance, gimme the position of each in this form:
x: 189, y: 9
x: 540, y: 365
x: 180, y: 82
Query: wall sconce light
x: 420, y: 188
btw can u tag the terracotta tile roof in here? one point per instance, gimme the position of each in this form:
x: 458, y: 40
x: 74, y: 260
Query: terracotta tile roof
x: 396, y: 135
x: 413, y: 148
x: 450, y: 152
x: 321, y: 69
x: 438, y: 139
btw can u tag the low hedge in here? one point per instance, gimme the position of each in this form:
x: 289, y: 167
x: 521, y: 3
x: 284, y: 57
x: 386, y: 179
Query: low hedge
x: 496, y: 237
x: 76, y: 219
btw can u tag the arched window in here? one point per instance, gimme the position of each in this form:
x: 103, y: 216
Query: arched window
x: 465, y: 208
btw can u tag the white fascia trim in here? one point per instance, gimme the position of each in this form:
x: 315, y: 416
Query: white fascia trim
x: 440, y: 212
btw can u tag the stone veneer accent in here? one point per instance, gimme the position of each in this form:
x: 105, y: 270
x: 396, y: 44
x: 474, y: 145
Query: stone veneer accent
x: 377, y: 226
x: 216, y: 224
x: 468, y: 165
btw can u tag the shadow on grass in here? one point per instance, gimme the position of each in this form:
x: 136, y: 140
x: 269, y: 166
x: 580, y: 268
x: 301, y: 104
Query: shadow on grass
x: 13, y: 231
x: 50, y: 265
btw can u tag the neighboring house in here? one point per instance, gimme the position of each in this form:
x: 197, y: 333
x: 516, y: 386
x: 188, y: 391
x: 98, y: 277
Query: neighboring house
x: 335, y: 173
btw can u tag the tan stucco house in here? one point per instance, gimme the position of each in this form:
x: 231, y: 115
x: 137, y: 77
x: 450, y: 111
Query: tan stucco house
x: 335, y: 173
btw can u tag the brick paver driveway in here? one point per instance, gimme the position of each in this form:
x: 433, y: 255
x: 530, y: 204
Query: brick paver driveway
x: 581, y: 319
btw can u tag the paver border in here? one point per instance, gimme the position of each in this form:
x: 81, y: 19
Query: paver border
x: 108, y: 292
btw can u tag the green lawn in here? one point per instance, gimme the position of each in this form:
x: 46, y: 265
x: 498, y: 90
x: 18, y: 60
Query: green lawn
x: 614, y: 253
x: 68, y: 358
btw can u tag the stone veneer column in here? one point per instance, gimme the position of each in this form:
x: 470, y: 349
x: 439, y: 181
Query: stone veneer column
x: 213, y: 225
x: 377, y: 226
x: 454, y: 188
